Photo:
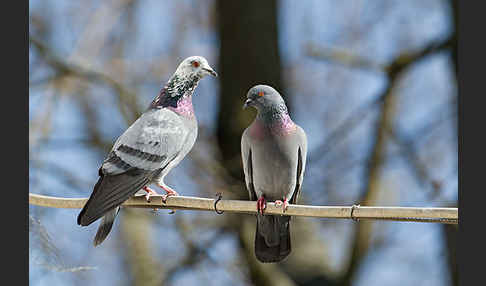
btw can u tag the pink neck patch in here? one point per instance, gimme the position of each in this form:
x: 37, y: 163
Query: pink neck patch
x: 279, y: 127
x: 284, y: 126
x: 184, y: 107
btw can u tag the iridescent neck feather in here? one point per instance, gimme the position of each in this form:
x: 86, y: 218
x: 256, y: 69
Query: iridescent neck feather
x: 276, y: 119
x: 177, y: 94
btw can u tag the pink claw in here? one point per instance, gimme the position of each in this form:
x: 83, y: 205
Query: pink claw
x: 285, y: 204
x: 169, y: 191
x: 261, y: 204
x: 150, y: 192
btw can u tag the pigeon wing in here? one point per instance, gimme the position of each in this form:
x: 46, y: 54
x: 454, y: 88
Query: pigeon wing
x: 248, y: 165
x: 301, y: 140
x: 138, y: 156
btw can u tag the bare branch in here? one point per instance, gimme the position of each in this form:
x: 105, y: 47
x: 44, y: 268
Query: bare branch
x: 64, y: 68
x: 401, y: 63
x: 340, y: 56
x: 351, y: 60
x: 441, y: 215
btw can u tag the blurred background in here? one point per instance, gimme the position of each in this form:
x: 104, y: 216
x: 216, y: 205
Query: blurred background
x: 373, y: 83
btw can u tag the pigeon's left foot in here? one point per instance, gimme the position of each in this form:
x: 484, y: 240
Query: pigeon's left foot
x: 150, y: 192
x: 285, y: 204
x: 169, y: 191
x: 261, y: 204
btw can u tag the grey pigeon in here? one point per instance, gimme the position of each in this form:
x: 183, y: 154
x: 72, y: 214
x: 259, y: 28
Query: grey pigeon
x: 273, y: 150
x: 154, y: 144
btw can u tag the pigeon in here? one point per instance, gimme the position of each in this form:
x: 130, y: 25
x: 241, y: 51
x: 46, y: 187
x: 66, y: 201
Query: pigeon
x: 146, y: 152
x: 274, y: 151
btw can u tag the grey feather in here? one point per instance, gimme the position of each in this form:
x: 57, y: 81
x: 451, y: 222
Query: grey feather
x: 274, y: 153
x: 272, y: 238
x: 112, y: 190
x: 105, y: 226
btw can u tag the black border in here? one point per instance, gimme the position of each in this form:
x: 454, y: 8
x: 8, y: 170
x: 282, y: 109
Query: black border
x: 470, y: 85
x: 15, y: 130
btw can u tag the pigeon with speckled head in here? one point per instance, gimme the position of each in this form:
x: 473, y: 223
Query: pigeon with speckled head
x: 145, y: 153
x: 273, y: 150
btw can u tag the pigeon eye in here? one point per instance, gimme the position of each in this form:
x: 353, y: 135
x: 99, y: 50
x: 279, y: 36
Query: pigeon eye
x: 260, y: 93
x: 195, y: 64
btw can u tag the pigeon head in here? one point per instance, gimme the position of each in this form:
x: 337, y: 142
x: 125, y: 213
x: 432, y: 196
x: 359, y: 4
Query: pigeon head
x: 266, y: 100
x: 195, y: 67
x: 178, y: 91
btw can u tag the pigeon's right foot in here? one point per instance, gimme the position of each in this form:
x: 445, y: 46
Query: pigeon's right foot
x: 150, y: 192
x: 261, y: 204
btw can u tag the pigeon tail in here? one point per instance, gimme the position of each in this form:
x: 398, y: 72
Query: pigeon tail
x: 105, y: 226
x: 272, y: 238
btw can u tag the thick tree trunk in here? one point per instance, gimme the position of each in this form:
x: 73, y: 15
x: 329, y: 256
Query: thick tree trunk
x: 249, y: 55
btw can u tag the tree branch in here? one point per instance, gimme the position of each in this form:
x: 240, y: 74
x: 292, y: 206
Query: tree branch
x: 65, y: 68
x: 440, y: 215
x: 392, y: 70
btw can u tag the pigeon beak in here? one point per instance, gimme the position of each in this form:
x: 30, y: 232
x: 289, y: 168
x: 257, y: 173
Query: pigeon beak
x: 247, y: 103
x: 210, y: 71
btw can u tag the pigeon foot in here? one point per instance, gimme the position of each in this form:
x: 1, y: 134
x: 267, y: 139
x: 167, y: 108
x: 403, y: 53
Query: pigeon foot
x: 261, y: 204
x: 169, y: 191
x: 279, y: 203
x: 150, y: 193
